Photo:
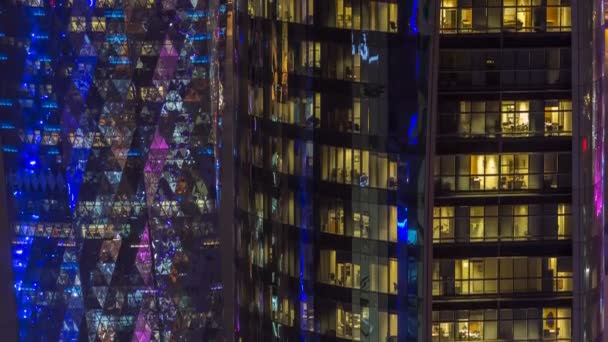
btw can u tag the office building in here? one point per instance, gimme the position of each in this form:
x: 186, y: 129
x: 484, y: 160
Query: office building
x: 518, y: 191
x: 330, y: 169
x: 109, y: 116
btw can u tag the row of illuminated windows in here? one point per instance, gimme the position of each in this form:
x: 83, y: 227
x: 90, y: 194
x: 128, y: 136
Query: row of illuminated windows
x: 368, y: 273
x: 359, y: 219
x: 350, y: 324
x: 283, y: 208
x: 44, y: 137
x: 288, y: 156
x: 79, y: 24
x: 506, y: 118
x: 300, y: 110
x: 282, y: 310
x: 477, y: 16
x: 356, y: 219
x: 501, y: 223
x: 502, y: 275
x: 276, y: 250
x: 533, y: 324
x: 348, y: 115
x: 280, y: 155
x: 293, y: 11
x: 363, y: 15
x: 355, y: 62
x: 503, y: 172
x: 326, y: 317
x: 358, y: 167
x: 99, y: 3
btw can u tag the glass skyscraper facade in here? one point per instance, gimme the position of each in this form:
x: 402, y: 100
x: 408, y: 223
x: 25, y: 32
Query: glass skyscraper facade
x: 109, y: 118
x: 331, y: 169
x: 323, y: 170
x: 518, y: 214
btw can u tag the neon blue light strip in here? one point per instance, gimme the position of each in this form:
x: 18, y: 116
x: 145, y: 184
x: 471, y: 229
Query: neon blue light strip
x: 195, y: 14
x: 199, y: 37
x: 49, y: 105
x: 116, y: 38
x: 115, y: 14
x: 199, y: 59
x: 119, y: 60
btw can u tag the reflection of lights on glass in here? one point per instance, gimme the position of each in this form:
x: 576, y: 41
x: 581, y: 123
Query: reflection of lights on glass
x: 363, y: 50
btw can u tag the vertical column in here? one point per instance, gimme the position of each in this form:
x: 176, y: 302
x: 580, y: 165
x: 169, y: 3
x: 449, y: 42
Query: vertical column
x: 227, y: 222
x: 8, y: 313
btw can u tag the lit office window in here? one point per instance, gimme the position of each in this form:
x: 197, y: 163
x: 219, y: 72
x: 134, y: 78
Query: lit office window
x: 78, y: 24
x: 531, y: 324
x: 98, y: 24
x: 104, y: 3
x: 346, y: 269
x: 359, y: 219
x: 310, y: 54
x: 295, y: 11
x: 488, y: 16
x: 504, y: 172
x: 513, y: 119
x: 359, y: 167
x: 477, y: 276
x: 558, y: 117
x: 443, y: 224
x: 507, y: 223
x: 368, y: 15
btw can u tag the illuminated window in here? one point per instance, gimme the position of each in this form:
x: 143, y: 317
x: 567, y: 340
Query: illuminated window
x: 449, y: 15
x: 564, y: 230
x: 463, y: 277
x: 558, y: 15
x: 335, y: 221
x: 295, y: 11
x: 561, y: 271
x: 443, y: 224
x: 514, y: 170
x: 466, y: 16
x: 310, y: 54
x: 510, y: 118
x: 558, y: 117
x: 525, y: 324
x: 104, y: 3
x: 317, y: 118
x: 98, y: 24
x: 361, y: 168
x: 484, y: 172
x: 344, y: 14
x: 515, y: 117
x: 78, y: 24
x: 556, y: 323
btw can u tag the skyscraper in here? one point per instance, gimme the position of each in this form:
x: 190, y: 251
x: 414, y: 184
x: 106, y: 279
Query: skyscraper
x: 331, y: 169
x: 519, y: 157
x: 109, y: 115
